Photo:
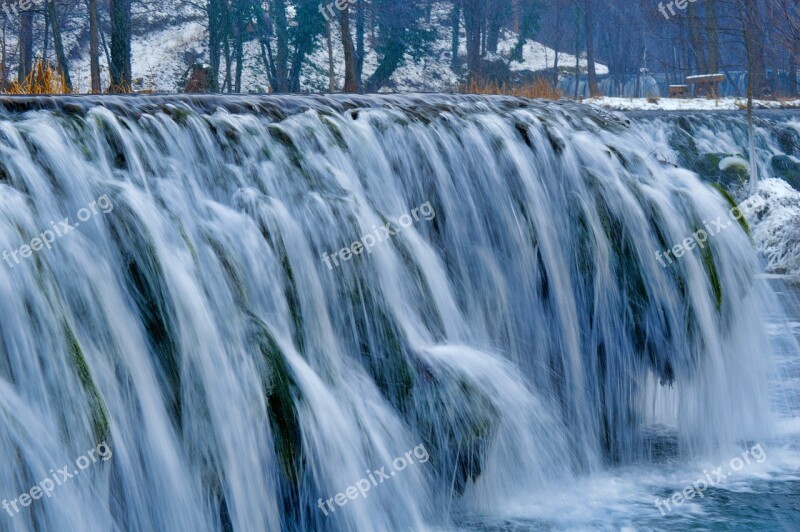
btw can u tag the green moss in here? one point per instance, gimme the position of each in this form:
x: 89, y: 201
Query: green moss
x: 458, y: 422
x: 707, y: 165
x: 145, y: 283
x: 336, y: 132
x: 99, y: 413
x: 234, y: 275
x: 713, y: 276
x: 280, y: 391
x: 732, y: 203
x: 683, y: 143
x: 189, y: 244
x: 736, y: 173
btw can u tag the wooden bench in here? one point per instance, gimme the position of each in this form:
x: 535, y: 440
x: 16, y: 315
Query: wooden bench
x: 678, y: 91
x: 705, y: 85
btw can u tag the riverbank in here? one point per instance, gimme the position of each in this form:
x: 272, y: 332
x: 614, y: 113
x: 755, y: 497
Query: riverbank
x: 688, y: 104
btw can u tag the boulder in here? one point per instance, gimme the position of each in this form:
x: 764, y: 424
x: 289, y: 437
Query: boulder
x: 787, y: 168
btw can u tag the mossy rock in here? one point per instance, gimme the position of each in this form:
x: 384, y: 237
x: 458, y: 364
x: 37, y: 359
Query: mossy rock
x: 788, y: 139
x: 281, y: 392
x: 684, y: 145
x: 730, y: 170
x: 707, y: 165
x: 458, y: 422
x: 787, y: 169
x: 732, y: 204
x: 734, y: 171
x: 99, y: 413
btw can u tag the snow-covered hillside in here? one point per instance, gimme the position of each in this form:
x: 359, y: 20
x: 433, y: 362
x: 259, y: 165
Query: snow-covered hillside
x: 169, y: 37
x: 774, y: 220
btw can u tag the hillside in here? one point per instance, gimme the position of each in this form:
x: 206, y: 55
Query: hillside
x: 170, y: 37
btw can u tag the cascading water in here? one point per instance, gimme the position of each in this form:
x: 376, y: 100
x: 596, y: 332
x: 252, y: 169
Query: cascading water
x: 517, y: 328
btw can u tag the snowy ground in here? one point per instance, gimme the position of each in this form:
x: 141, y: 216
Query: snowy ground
x: 775, y: 225
x: 432, y: 71
x: 687, y: 104
x: 172, y: 37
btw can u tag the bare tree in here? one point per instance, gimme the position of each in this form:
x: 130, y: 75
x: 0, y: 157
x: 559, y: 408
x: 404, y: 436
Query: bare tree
x: 25, y: 45
x: 282, y: 53
x: 331, y: 70
x: 120, y: 45
x: 61, y: 59
x: 350, y: 83
x: 590, y: 66
x: 473, y: 23
x: 94, y: 47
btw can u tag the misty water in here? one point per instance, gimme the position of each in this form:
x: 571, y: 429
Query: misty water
x: 262, y: 301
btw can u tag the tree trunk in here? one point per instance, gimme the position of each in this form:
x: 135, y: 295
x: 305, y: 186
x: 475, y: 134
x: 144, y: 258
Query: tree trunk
x: 455, y: 43
x: 216, y: 34
x: 228, y: 83
x: 751, y: 88
x: 360, y: 51
x: 46, y: 36
x: 282, y: 53
x: 239, y: 27
x: 120, y: 12
x: 555, y: 69
x: 754, y: 46
x: 713, y: 37
x: 696, y: 39
x: 308, y: 25
x: 587, y: 6
x: 3, y: 72
x: 25, y: 45
x: 58, y: 44
x: 577, y: 51
x: 331, y: 69
x: 473, y: 22
x: 94, y: 47
x: 350, y: 84
x: 264, y: 25
x: 493, y: 31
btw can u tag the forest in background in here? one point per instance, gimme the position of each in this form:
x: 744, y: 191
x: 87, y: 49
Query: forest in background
x: 361, y: 44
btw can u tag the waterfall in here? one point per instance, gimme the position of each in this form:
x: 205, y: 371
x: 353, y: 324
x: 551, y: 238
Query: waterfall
x: 257, y: 303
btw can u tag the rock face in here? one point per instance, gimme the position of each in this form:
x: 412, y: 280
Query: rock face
x: 788, y: 139
x: 199, y: 80
x: 787, y: 168
x: 731, y: 171
x: 774, y: 213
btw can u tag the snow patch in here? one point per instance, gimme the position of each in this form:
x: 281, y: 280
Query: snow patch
x: 728, y: 162
x: 774, y: 217
x: 687, y: 104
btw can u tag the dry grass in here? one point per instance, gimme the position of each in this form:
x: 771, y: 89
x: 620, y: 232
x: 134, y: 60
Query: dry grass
x: 538, y: 89
x: 43, y: 79
x: 653, y: 99
x: 122, y: 88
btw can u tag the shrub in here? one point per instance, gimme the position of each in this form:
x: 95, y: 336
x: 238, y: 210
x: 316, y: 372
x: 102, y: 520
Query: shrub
x: 43, y: 79
x: 538, y: 89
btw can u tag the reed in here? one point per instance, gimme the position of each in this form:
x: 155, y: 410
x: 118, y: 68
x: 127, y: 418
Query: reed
x: 540, y: 88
